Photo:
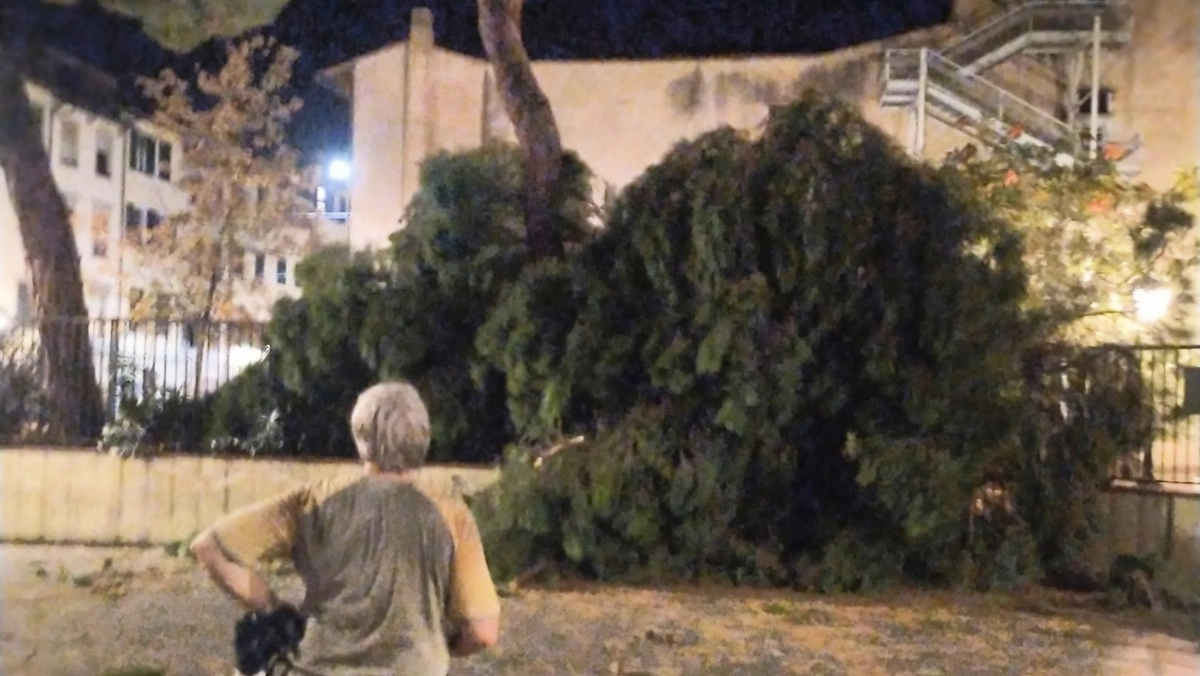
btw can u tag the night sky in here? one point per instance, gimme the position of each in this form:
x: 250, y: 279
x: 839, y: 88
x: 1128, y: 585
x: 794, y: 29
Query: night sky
x: 330, y: 31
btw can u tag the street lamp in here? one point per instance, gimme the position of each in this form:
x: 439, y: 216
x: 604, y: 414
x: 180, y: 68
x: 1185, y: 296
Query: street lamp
x: 338, y: 170
x: 1151, y: 302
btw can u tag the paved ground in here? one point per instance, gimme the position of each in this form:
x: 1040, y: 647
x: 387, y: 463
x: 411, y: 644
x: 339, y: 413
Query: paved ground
x: 78, y: 612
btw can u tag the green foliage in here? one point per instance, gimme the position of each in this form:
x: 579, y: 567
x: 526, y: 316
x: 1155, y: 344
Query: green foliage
x: 318, y: 360
x: 186, y: 25
x: 1091, y: 238
x: 23, y: 399
x: 1086, y: 407
x: 629, y: 501
x: 413, y: 311
x: 764, y: 300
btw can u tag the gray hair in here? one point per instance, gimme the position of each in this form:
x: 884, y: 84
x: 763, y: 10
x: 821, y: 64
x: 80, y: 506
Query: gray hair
x: 391, y: 427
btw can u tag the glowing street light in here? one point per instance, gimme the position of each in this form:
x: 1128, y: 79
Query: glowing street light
x: 339, y: 170
x: 1151, y: 303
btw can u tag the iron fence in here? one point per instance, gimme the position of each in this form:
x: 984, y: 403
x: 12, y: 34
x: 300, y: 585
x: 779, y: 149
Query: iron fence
x: 1172, y: 375
x: 129, y: 360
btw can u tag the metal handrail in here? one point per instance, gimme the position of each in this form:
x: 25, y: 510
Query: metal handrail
x: 991, y: 100
x: 1022, y: 19
x: 980, y: 90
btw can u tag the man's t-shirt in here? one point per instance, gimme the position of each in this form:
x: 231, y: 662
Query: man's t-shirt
x: 387, y: 569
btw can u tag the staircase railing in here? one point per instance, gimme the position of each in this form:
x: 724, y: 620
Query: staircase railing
x: 1032, y: 82
x: 1030, y: 17
x: 992, y: 102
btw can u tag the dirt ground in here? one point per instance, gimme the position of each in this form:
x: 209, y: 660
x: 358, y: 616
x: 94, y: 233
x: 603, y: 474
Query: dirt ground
x: 80, y: 612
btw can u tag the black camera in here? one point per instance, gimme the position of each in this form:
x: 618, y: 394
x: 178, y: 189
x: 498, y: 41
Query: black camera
x: 264, y: 640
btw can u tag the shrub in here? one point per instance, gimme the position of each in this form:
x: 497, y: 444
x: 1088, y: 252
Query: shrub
x: 1086, y: 407
x: 413, y: 311
x: 23, y: 400
x: 770, y: 298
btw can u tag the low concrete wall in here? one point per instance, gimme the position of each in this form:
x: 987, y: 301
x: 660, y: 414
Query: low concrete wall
x: 1151, y: 519
x: 85, y: 497
x: 69, y: 496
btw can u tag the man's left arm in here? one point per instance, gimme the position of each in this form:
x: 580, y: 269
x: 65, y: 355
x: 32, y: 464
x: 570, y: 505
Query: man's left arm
x: 229, y: 550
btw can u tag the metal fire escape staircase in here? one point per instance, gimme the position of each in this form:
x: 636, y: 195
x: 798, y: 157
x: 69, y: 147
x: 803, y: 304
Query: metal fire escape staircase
x: 951, y: 83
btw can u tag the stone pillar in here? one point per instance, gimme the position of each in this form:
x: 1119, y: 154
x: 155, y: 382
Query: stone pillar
x: 418, y: 122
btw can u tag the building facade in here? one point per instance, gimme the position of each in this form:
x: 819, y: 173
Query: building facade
x: 119, y: 176
x: 999, y: 69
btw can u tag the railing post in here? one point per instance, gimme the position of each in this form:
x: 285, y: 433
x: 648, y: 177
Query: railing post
x: 1094, y: 126
x: 922, y: 99
x: 114, y: 373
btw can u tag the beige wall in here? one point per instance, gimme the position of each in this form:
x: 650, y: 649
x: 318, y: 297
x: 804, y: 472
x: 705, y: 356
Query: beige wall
x: 620, y: 116
x: 378, y: 124
x: 1160, y: 71
x: 95, y: 498
x: 413, y: 99
x: 86, y: 497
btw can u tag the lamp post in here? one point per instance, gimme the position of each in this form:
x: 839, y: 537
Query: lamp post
x: 1151, y: 301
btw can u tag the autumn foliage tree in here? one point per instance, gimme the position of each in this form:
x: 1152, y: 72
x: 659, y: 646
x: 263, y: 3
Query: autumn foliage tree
x: 1095, y: 241
x: 243, y: 181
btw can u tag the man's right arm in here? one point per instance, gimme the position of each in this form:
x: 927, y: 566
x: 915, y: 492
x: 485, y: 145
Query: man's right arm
x: 474, y: 606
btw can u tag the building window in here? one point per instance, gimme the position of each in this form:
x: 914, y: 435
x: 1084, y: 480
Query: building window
x: 141, y: 152
x: 100, y: 229
x: 1106, y: 98
x: 153, y: 219
x: 150, y: 156
x: 133, y: 221
x: 164, y: 160
x: 260, y: 267
x: 68, y: 148
x: 281, y: 267
x: 104, y: 148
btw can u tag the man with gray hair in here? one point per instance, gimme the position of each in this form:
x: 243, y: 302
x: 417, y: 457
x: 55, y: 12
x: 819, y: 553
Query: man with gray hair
x: 395, y: 576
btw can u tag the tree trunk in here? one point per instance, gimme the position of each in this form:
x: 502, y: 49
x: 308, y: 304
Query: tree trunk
x: 76, y: 406
x: 532, y: 118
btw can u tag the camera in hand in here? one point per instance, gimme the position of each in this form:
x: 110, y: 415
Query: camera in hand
x: 264, y: 640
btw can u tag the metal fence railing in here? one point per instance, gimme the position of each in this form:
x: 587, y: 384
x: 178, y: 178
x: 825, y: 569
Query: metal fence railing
x: 130, y: 360
x: 1172, y: 374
